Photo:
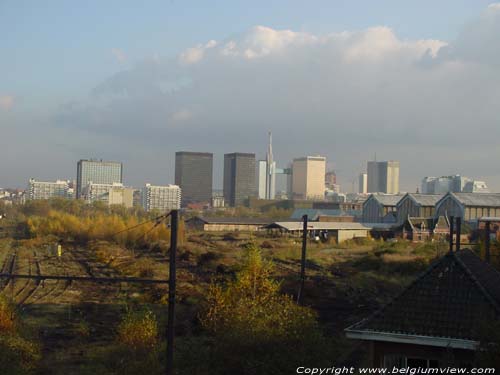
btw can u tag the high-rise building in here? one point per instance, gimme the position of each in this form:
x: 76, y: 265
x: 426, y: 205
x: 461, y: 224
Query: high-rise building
x: 239, y: 178
x: 47, y: 190
x: 161, y: 198
x: 111, y: 194
x: 363, y: 183
x: 266, y: 174
x: 330, y: 180
x: 383, y: 177
x: 308, y: 177
x: 454, y: 184
x: 98, y: 172
x: 193, y: 174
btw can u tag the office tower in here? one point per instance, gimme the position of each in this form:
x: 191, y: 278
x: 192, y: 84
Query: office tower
x: 330, y: 180
x: 455, y: 184
x: 308, y: 177
x: 98, y: 172
x: 111, y: 194
x: 239, y: 178
x: 267, y: 174
x: 383, y: 177
x: 47, y: 190
x: 363, y: 183
x: 161, y: 198
x: 193, y: 174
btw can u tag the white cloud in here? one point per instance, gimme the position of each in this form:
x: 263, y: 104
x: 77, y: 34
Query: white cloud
x: 119, y: 55
x: 6, y: 102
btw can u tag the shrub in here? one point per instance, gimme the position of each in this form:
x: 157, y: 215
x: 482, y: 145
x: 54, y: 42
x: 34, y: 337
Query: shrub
x: 138, y: 330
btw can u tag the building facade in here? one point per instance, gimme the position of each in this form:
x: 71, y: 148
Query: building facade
x: 454, y: 184
x: 239, y: 178
x: 98, y: 172
x: 111, y: 194
x: 363, y: 183
x: 379, y: 208
x: 46, y: 190
x: 469, y: 206
x: 308, y: 177
x: 416, y: 205
x: 383, y: 177
x: 193, y: 175
x: 161, y: 198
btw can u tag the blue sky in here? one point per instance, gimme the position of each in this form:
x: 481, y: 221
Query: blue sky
x: 344, y: 79
x: 60, y: 49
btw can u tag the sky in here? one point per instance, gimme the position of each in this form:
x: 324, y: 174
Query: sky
x: 414, y: 81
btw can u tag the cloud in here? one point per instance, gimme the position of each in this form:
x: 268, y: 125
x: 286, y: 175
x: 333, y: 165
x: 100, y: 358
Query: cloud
x: 119, y: 55
x: 345, y: 94
x: 6, y: 102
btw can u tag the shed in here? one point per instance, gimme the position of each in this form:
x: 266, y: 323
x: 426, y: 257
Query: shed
x: 437, y: 320
x: 377, y: 206
x: 416, y: 205
x: 227, y: 224
x: 341, y: 231
x: 468, y: 206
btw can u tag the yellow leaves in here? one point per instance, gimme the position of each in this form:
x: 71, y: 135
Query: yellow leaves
x: 251, y: 307
x: 138, y: 330
x: 7, y: 321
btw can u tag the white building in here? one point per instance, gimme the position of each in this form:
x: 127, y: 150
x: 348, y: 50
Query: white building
x: 161, y: 198
x: 363, y: 183
x: 47, y: 190
x: 111, y: 194
x: 308, y: 177
x: 454, y: 184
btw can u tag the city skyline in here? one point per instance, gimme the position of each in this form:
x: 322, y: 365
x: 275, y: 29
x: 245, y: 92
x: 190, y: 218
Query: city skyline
x: 385, y: 84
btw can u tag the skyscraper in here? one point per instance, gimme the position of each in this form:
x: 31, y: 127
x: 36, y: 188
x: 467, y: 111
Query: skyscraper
x: 193, y: 174
x: 239, y: 178
x: 97, y: 171
x: 267, y: 174
x: 363, y: 183
x: 383, y: 177
x: 308, y: 177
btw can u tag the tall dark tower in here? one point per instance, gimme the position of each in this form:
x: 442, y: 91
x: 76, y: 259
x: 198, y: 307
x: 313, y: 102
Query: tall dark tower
x: 239, y: 178
x: 193, y: 173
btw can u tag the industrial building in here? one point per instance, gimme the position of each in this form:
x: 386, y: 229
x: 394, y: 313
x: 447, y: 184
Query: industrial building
x: 380, y: 208
x: 239, y: 178
x: 416, y: 205
x: 46, y: 190
x: 383, y: 177
x: 308, y: 177
x: 161, y: 198
x: 98, y: 172
x: 469, y: 206
x: 193, y: 174
x: 227, y: 224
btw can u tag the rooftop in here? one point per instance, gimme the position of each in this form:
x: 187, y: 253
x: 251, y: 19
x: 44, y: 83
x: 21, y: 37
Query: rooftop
x: 425, y: 199
x: 233, y: 220
x: 445, y: 306
x: 386, y: 199
x: 478, y: 199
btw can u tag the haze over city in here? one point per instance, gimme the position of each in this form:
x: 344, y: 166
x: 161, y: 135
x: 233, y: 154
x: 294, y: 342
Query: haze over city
x: 418, y: 83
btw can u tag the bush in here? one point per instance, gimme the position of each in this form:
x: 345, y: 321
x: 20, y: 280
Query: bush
x: 138, y: 330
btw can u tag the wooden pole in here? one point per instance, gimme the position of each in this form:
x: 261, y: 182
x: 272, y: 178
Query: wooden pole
x: 174, y: 215
x: 459, y: 232
x: 300, y: 296
x: 452, y: 219
x: 487, y: 241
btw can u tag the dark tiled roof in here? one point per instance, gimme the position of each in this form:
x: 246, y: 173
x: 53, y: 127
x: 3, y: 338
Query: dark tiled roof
x: 451, y: 299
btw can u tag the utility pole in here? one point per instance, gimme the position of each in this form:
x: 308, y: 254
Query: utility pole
x: 174, y: 221
x: 300, y: 296
x: 452, y: 219
x: 487, y: 241
x: 459, y: 233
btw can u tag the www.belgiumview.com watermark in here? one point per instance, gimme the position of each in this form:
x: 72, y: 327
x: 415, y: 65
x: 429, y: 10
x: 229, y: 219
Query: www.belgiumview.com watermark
x: 395, y: 370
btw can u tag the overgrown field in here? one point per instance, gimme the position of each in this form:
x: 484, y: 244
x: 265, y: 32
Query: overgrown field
x: 236, y: 309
